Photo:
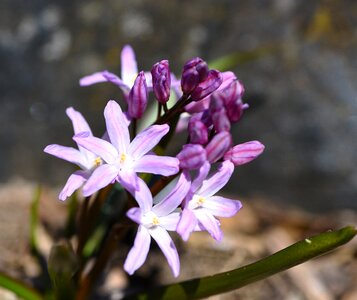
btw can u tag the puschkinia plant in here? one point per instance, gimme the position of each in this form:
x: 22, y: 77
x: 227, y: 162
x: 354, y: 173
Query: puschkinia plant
x: 208, y: 104
x: 159, y: 192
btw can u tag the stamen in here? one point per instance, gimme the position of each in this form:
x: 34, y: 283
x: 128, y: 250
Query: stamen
x: 122, y: 158
x: 97, y: 162
x: 200, y: 200
x: 155, y: 221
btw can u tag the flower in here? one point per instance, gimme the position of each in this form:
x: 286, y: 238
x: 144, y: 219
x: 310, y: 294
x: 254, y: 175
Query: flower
x: 244, y: 153
x: 154, y: 222
x: 82, y: 157
x: 123, y: 159
x: 129, y: 71
x: 201, y: 207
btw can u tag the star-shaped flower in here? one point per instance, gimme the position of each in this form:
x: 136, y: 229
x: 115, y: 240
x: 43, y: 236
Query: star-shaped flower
x: 201, y: 206
x: 82, y: 157
x: 154, y: 222
x: 122, y: 158
x: 129, y: 71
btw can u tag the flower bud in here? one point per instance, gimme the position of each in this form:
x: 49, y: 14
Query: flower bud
x: 138, y: 97
x: 208, y: 86
x: 218, y: 146
x: 194, y: 72
x: 221, y: 121
x: 198, y: 131
x: 244, y: 153
x: 161, y: 81
x: 192, y: 156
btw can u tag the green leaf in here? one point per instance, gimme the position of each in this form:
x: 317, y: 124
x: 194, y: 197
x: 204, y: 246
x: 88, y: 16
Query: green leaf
x: 278, y: 262
x: 19, y: 288
x: 62, y: 266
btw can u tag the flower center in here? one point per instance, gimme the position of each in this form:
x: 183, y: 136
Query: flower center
x: 197, y: 201
x: 97, y: 162
x: 122, y: 158
x: 150, y: 220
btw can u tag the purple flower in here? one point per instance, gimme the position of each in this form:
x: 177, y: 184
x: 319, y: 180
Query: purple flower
x: 82, y: 157
x: 154, y: 222
x: 123, y: 159
x: 129, y: 71
x: 201, y: 206
x: 194, y: 72
x: 208, y: 86
x: 197, y: 130
x: 161, y: 81
x: 138, y: 97
x: 244, y: 153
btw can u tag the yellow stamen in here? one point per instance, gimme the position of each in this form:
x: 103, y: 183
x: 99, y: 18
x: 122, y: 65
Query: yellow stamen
x: 200, y: 200
x: 122, y: 158
x: 97, y: 162
x: 155, y: 221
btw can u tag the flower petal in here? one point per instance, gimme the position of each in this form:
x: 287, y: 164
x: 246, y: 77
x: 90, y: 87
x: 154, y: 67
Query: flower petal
x: 78, y: 121
x: 117, y: 126
x: 167, y: 246
x: 101, y: 177
x: 134, y: 214
x: 141, y: 194
x: 222, y: 207
x: 73, y: 183
x: 218, y: 180
x: 187, y: 224
x: 129, y: 180
x: 154, y: 164
x: 111, y: 77
x: 129, y: 68
x: 98, y: 146
x: 69, y: 154
x: 92, y: 79
x: 170, y: 221
x: 138, y: 253
x: 210, y: 223
x: 174, y: 199
x: 202, y: 174
x: 146, y: 140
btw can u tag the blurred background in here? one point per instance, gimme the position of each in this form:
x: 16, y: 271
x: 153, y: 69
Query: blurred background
x: 296, y: 59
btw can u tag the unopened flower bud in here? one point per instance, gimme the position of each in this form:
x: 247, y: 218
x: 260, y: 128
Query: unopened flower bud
x: 138, y: 97
x: 192, y: 157
x: 208, y: 86
x: 221, y: 121
x: 244, y: 153
x: 218, y: 146
x: 216, y: 103
x: 161, y: 81
x: 198, y: 131
x: 194, y: 72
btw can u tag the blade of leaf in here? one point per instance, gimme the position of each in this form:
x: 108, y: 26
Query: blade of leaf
x: 231, y: 280
x: 19, y: 288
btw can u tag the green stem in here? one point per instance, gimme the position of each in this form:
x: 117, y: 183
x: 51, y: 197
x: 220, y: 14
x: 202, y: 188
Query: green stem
x: 234, y: 279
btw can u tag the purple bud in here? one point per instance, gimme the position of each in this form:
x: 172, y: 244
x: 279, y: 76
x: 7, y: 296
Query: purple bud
x: 198, y: 131
x: 216, y: 103
x: 161, y: 81
x: 244, y: 153
x: 208, y: 86
x: 138, y: 97
x: 218, y: 146
x: 194, y: 72
x: 192, y: 156
x: 231, y: 96
x: 221, y: 121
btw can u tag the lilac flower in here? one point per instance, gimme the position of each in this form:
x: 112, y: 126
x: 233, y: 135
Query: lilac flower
x: 192, y: 156
x: 218, y: 146
x: 82, y: 157
x: 123, y: 159
x: 161, y: 81
x: 129, y: 71
x: 154, y: 222
x: 201, y: 206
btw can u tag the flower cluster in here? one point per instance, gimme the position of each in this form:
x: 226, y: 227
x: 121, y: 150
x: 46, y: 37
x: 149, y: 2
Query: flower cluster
x: 207, y: 103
